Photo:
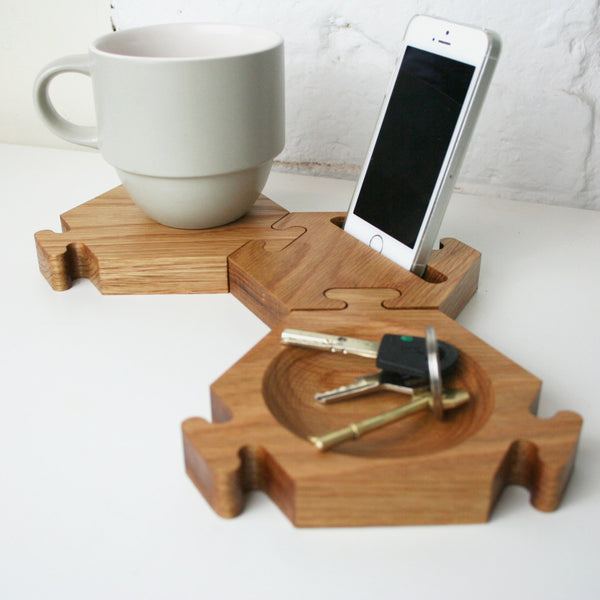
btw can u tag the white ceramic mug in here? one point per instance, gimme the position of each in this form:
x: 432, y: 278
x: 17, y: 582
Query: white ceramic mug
x: 191, y: 115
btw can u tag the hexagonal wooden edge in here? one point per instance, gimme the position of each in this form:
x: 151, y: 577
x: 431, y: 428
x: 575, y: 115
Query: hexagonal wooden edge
x: 110, y: 241
x: 272, y: 284
x: 122, y: 251
x: 416, y: 471
x: 303, y: 271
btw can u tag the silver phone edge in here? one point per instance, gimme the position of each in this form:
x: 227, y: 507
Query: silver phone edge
x: 432, y: 227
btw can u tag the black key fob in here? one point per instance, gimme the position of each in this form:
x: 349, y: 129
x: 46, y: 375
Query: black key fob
x: 407, y: 356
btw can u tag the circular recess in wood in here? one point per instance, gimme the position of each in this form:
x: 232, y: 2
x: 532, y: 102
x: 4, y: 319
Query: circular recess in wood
x: 296, y: 374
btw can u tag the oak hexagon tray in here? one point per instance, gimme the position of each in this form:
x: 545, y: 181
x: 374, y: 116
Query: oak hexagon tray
x: 416, y: 471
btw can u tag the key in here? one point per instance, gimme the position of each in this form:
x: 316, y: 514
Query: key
x: 435, y: 373
x: 450, y: 399
x: 384, y: 380
x: 402, y: 354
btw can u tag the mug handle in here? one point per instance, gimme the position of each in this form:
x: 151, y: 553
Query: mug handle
x: 78, y: 134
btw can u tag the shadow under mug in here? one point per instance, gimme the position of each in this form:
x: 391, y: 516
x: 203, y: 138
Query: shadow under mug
x: 191, y: 115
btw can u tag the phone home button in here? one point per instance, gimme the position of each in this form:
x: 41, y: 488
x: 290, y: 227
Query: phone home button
x: 376, y: 243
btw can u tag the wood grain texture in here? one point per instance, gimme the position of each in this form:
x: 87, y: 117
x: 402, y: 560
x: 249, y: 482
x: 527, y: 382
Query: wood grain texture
x: 122, y: 251
x: 417, y: 471
x: 272, y: 284
x: 303, y: 271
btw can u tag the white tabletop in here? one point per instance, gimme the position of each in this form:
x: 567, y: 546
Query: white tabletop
x: 95, y: 502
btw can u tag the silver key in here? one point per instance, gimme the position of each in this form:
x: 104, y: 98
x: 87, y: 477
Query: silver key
x: 405, y: 355
x: 330, y: 343
x: 372, y: 383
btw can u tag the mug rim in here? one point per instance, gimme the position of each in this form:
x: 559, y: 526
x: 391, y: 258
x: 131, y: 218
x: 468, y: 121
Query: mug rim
x: 101, y: 45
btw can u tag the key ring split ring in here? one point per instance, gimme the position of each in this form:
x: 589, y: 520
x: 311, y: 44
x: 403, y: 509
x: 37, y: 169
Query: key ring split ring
x: 435, y: 374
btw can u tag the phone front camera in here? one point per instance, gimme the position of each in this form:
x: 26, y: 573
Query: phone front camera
x: 447, y: 33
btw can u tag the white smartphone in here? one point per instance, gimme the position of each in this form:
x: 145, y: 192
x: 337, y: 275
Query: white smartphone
x: 421, y: 136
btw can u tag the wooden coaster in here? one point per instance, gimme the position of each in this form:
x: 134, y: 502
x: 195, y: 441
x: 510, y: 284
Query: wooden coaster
x: 113, y: 243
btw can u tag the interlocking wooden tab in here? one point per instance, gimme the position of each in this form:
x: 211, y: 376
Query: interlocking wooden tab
x: 113, y: 243
x: 272, y: 284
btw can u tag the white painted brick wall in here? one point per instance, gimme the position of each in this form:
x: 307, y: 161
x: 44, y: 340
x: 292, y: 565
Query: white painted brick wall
x: 537, y: 138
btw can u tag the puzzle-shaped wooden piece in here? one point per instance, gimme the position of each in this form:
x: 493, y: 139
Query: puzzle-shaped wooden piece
x: 303, y: 271
x: 415, y: 471
x: 272, y: 284
x: 113, y: 243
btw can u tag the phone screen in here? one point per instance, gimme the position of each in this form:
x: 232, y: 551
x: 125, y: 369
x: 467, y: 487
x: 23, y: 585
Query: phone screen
x: 413, y: 140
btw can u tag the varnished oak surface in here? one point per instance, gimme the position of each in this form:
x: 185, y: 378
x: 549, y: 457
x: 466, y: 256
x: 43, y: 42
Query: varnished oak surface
x: 325, y: 257
x: 416, y: 471
x: 122, y: 251
x: 290, y: 267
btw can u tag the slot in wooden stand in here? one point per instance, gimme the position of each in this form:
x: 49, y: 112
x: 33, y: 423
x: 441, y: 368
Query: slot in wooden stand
x: 303, y: 271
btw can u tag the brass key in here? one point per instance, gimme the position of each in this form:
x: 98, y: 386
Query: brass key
x: 451, y: 399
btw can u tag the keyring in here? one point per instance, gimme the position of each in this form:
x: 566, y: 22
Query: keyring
x: 435, y: 374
